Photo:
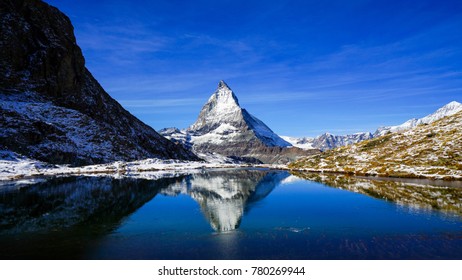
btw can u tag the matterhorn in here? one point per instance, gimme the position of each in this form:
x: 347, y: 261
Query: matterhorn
x: 225, y: 128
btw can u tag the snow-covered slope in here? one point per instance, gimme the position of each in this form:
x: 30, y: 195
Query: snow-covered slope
x: 222, y: 119
x: 14, y: 166
x: 224, y: 128
x: 447, y: 110
x: 300, y: 142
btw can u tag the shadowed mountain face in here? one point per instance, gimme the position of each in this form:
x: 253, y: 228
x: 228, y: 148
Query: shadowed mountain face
x: 52, y: 108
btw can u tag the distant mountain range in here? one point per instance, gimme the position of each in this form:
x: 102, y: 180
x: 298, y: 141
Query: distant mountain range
x: 329, y: 141
x: 224, y: 128
x: 426, y: 150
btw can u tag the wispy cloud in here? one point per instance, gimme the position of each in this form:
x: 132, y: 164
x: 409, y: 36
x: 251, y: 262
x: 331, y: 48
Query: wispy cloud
x: 121, y: 45
x: 159, y: 103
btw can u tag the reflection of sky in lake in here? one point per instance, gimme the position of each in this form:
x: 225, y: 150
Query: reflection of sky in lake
x: 238, y: 214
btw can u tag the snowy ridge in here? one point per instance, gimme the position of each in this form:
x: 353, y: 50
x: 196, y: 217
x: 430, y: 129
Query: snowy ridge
x: 302, y: 142
x: 328, y: 141
x: 14, y: 166
x: 447, y: 110
x: 221, y: 108
x: 222, y: 119
x: 263, y: 132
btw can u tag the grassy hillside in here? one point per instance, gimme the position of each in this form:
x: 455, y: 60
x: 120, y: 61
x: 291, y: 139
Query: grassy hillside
x: 431, y: 151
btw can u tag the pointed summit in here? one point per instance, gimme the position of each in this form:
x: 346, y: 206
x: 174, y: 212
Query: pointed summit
x: 224, y: 95
x: 226, y: 129
x: 223, y: 84
x: 222, y: 107
x: 222, y: 114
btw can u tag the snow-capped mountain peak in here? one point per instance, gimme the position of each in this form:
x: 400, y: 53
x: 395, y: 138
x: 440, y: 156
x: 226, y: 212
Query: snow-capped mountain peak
x: 447, y: 110
x: 226, y: 129
x: 224, y: 85
x: 222, y: 107
x: 300, y: 142
x: 223, y: 116
x: 224, y: 96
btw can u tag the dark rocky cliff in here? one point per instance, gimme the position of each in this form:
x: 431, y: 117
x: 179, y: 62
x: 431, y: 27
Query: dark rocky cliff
x: 52, y: 107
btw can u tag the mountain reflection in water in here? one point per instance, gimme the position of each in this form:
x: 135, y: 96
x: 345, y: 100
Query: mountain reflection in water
x: 61, y: 203
x: 229, y: 214
x: 224, y: 196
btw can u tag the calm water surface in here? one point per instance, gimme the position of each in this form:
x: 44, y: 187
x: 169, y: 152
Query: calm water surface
x: 230, y: 214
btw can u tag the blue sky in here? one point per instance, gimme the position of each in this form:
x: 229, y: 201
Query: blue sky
x: 303, y: 67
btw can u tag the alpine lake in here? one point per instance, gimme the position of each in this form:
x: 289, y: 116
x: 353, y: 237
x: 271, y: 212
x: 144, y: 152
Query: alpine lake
x: 230, y: 214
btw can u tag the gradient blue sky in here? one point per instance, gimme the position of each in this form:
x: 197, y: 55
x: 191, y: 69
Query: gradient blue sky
x: 303, y: 67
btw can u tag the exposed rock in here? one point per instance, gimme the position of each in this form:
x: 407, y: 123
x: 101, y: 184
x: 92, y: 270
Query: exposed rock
x: 52, y: 108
